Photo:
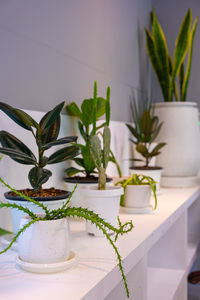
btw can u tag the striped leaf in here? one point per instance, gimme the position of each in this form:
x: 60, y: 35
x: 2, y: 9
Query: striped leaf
x: 18, y: 156
x: 63, y: 154
x: 50, y: 117
x: 38, y: 176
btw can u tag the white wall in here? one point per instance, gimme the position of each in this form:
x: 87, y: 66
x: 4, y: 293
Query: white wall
x: 53, y: 50
x: 170, y: 14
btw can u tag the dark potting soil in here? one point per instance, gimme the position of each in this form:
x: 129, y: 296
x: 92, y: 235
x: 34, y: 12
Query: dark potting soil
x: 81, y: 179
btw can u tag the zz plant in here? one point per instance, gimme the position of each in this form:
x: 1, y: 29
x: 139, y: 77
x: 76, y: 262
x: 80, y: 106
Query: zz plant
x: 68, y: 211
x: 167, y: 69
x: 45, y: 134
x: 88, y: 114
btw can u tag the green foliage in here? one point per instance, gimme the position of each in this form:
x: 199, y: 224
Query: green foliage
x: 138, y: 180
x: 88, y: 114
x: 67, y: 211
x: 45, y: 134
x: 145, y: 130
x: 166, y: 69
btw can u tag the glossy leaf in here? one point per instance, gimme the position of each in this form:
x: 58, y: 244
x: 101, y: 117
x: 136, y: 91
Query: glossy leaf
x: 26, y: 119
x: 50, y: 117
x: 142, y: 149
x: 63, y: 154
x: 133, y: 131
x: 9, y: 141
x: 38, y: 176
x: 10, y: 112
x: 64, y: 140
x: 79, y: 161
x: 156, y: 149
x: 51, y: 133
x: 18, y: 156
x: 71, y: 171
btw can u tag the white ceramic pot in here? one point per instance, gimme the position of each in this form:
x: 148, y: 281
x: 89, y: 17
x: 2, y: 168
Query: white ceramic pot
x: 16, y: 215
x: 180, y: 130
x: 78, y: 199
x: 137, y: 196
x: 153, y: 173
x: 44, y: 241
x: 137, y: 155
x: 103, y: 202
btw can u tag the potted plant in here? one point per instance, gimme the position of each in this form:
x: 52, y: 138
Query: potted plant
x: 137, y: 194
x: 84, y: 172
x: 45, y: 134
x: 180, y: 158
x: 101, y: 199
x: 43, y: 242
x: 145, y: 130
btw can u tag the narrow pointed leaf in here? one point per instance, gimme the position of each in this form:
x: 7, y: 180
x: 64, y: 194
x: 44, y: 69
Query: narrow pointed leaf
x: 73, y: 110
x: 18, y: 156
x: 106, y: 146
x: 52, y: 116
x: 26, y: 119
x: 72, y: 171
x: 156, y: 149
x: 142, y: 149
x: 61, y: 141
x: 51, y: 133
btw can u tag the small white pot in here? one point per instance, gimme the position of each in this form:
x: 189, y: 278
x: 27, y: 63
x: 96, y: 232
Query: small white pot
x: 16, y: 215
x: 137, y: 155
x: 153, y: 173
x: 137, y: 196
x: 44, y: 241
x: 103, y: 202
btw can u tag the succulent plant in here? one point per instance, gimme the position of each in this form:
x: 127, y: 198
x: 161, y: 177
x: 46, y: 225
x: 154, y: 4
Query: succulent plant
x: 89, y: 113
x: 45, y: 134
x: 167, y: 69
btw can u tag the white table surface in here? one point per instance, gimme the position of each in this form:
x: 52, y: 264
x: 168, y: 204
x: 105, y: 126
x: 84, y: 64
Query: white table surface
x: 96, y: 272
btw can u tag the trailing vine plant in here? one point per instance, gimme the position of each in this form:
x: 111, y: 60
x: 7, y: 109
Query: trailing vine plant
x: 67, y: 211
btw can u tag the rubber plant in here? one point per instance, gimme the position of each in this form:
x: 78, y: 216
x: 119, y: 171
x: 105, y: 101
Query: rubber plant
x: 168, y: 69
x: 88, y: 115
x: 45, y: 134
x: 67, y: 211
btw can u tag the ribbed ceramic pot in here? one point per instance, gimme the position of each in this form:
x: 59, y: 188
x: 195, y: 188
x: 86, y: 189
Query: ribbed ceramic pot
x: 44, y: 241
x: 180, y: 131
x: 103, y: 202
x: 51, y: 203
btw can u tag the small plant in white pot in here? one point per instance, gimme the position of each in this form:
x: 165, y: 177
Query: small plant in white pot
x: 45, y: 135
x: 137, y: 193
x: 84, y: 170
x: 180, y: 158
x: 43, y: 239
x: 145, y: 131
x: 103, y: 200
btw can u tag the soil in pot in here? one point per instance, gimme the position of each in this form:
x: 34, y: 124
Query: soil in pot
x: 42, y: 194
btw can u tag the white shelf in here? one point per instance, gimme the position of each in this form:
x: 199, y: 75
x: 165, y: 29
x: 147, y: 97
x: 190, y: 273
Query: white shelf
x: 163, y: 283
x: 192, y: 253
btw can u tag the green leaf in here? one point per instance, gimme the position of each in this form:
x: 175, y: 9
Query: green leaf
x: 87, y: 112
x: 9, y: 141
x: 106, y: 146
x: 108, y: 106
x: 181, y: 48
x: 142, y: 149
x: 95, y: 150
x: 50, y: 117
x: 64, y: 140
x: 145, y: 124
x: 156, y: 149
x: 156, y: 132
x: 81, y: 130
x: 38, y: 176
x: 26, y: 119
x: 63, y: 154
x: 133, y: 131
x: 73, y: 110
x: 88, y: 161
x: 72, y: 171
x: 49, y: 134
x: 79, y: 161
x: 18, y: 156
x: 162, y: 56
x: 4, y: 231
x: 189, y: 62
x: 10, y: 112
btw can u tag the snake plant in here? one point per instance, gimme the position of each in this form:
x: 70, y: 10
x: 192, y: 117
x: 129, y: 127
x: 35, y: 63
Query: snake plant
x: 171, y: 71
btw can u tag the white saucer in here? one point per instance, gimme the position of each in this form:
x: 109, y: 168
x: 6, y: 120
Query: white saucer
x: 136, y: 210
x: 6, y: 239
x: 48, y: 268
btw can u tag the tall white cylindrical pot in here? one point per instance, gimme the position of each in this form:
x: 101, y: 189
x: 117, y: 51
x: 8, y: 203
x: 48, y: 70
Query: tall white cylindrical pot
x: 103, y: 202
x: 180, y: 131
